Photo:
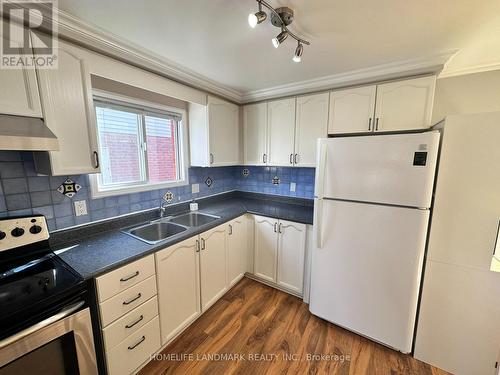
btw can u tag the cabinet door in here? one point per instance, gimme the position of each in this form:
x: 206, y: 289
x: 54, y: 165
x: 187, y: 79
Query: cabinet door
x: 223, y: 120
x: 312, y: 123
x: 351, y: 110
x: 281, y: 131
x: 237, y: 245
x: 266, y: 243
x: 291, y: 252
x: 68, y: 108
x: 177, y: 272
x: 213, y: 265
x: 19, y: 94
x: 254, y: 134
x: 405, y: 105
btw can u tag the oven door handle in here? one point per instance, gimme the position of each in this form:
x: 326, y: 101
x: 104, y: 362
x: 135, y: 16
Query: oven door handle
x: 68, y: 310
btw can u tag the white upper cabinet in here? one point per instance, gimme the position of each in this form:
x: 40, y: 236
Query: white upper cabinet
x: 405, y: 105
x: 393, y: 106
x: 177, y: 269
x: 265, y: 243
x: 255, y: 134
x: 351, y: 110
x: 19, y: 94
x: 213, y: 265
x: 237, y: 245
x: 281, y: 132
x: 291, y: 254
x: 214, y: 133
x: 68, y: 111
x: 311, y: 124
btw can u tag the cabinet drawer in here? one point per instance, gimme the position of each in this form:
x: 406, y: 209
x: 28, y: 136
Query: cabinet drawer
x: 130, y: 323
x: 135, y: 349
x: 127, y: 300
x: 124, y: 277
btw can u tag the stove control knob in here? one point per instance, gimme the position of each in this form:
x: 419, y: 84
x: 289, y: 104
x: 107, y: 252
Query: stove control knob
x: 17, y: 232
x: 35, y: 229
x: 2, y: 235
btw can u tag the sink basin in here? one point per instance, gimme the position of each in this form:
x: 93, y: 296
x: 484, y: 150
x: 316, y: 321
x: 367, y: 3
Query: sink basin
x: 193, y: 219
x: 155, y: 232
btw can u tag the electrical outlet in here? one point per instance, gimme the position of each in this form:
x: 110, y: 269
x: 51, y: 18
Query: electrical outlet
x: 80, y: 208
x: 195, y: 188
x: 293, y: 186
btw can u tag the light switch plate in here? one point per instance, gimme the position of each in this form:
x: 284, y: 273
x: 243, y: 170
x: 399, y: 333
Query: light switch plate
x: 293, y: 186
x: 80, y: 208
x: 195, y: 188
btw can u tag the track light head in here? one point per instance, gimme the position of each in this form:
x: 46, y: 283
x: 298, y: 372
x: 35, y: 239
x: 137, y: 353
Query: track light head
x: 279, y: 38
x: 297, y: 57
x: 259, y: 17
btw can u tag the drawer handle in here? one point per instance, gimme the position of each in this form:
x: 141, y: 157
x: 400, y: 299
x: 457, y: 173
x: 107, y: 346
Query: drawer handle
x: 137, y: 344
x: 134, y: 323
x: 129, y: 277
x: 133, y: 299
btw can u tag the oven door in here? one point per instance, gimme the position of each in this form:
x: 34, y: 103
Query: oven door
x: 60, y: 344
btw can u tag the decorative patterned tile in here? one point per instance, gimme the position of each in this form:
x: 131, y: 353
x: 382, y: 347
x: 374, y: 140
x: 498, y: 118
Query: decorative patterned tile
x: 246, y: 172
x: 209, y: 182
x: 69, y: 188
x: 168, y: 196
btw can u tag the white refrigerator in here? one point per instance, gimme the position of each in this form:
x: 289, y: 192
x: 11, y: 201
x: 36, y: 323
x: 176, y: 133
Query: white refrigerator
x: 373, y: 196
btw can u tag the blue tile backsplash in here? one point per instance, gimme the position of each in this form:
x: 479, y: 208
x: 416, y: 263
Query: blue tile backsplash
x: 23, y: 192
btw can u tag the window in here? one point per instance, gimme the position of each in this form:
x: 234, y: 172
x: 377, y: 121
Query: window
x: 141, y: 148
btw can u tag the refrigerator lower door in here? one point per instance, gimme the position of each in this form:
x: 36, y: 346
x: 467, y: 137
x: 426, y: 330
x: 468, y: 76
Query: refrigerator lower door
x: 366, y: 272
x: 393, y: 169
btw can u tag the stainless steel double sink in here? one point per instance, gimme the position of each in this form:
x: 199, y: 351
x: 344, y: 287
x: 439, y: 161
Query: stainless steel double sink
x: 161, y: 229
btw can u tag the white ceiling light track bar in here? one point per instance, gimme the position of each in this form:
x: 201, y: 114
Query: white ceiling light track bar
x: 280, y: 17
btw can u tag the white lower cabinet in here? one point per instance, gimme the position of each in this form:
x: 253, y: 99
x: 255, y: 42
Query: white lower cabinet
x: 291, y: 254
x: 280, y: 252
x: 213, y: 266
x: 178, y: 276
x: 237, y: 246
x: 266, y: 243
x: 128, y: 308
x: 135, y: 349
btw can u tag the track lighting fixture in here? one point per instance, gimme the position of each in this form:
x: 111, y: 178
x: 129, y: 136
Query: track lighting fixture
x: 280, y: 17
x: 280, y: 38
x: 298, y: 53
x: 259, y: 17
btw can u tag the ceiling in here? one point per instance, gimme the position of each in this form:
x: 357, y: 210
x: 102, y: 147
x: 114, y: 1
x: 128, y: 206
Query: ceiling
x: 213, y: 39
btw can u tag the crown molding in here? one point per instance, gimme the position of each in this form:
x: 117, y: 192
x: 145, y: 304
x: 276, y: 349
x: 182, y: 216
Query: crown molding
x: 480, y: 68
x: 433, y: 64
x: 90, y: 36
x: 94, y: 38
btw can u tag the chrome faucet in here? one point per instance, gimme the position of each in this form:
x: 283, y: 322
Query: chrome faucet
x: 162, y: 207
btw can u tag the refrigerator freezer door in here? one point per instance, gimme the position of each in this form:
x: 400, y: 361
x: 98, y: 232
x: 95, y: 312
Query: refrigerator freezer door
x: 366, y: 275
x: 392, y: 169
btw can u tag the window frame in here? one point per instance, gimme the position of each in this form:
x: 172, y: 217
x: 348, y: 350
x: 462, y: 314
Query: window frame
x: 143, y: 108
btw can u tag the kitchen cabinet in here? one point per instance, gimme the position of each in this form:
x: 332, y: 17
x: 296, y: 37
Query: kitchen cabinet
x: 311, y: 124
x: 237, y: 245
x: 68, y: 111
x: 19, y: 95
x: 405, y: 105
x: 214, y: 133
x: 266, y: 242
x: 352, y: 110
x: 280, y: 252
x: 281, y: 132
x: 213, y: 266
x: 394, y: 106
x: 255, y: 134
x: 178, y: 278
x: 291, y: 254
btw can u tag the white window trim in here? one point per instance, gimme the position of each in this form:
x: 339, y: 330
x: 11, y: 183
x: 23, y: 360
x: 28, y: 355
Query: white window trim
x: 183, y: 145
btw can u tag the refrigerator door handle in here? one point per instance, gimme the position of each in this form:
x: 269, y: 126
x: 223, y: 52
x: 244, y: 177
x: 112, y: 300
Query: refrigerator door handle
x: 321, y: 163
x: 318, y: 213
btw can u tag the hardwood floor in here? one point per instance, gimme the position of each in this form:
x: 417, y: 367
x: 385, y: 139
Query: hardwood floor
x: 274, y: 333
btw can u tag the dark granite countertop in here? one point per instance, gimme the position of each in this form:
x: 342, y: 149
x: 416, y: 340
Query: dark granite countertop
x: 100, y: 247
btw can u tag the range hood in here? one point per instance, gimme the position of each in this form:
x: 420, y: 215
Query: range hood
x: 26, y: 134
